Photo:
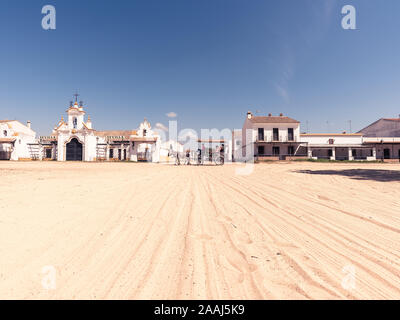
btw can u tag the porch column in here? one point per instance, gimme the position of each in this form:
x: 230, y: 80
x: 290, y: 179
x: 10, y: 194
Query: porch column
x: 333, y: 154
x: 40, y: 152
x: 53, y: 152
x: 309, y: 152
x: 108, y: 152
x: 130, y: 150
x: 350, y: 154
x: 374, y: 153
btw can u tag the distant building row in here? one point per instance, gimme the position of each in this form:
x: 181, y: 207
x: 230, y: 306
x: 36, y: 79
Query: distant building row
x: 261, y: 138
x: 278, y: 137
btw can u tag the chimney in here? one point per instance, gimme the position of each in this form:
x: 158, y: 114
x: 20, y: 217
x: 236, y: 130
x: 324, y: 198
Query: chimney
x: 281, y: 114
x: 249, y: 115
x: 269, y: 114
x: 28, y: 124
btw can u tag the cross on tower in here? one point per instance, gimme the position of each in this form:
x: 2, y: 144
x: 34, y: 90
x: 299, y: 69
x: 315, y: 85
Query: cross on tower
x: 76, y: 95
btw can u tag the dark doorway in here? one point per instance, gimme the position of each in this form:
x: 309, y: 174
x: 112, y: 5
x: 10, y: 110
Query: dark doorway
x: 261, y: 134
x: 5, y: 155
x: 290, y: 134
x: 386, y: 153
x: 261, y: 150
x: 290, y: 150
x: 124, y: 154
x: 48, y: 153
x: 275, y: 151
x: 111, y: 156
x: 275, y: 134
x: 74, y: 151
x: 119, y: 154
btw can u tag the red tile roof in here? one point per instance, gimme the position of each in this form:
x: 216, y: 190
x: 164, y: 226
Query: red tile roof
x: 7, y: 140
x: 116, y: 133
x: 273, y: 119
x: 392, y: 119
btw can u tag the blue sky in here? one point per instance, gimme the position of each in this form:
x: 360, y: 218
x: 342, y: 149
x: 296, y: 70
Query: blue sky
x: 208, y: 61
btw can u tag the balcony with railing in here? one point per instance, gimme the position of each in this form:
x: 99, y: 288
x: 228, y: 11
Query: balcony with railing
x: 270, y: 139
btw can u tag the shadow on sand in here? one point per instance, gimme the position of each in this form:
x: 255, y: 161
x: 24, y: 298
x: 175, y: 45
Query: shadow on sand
x: 359, y: 174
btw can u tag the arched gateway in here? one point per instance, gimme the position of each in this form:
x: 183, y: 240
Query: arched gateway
x: 74, y: 150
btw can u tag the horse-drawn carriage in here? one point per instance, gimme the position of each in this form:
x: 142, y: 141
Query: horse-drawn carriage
x: 203, y: 155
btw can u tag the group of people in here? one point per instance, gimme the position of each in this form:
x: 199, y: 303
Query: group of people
x: 201, y: 153
x: 219, y: 155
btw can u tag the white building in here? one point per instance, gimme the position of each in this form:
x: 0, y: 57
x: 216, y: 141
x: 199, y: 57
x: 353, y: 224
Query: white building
x: 279, y: 138
x: 15, y: 139
x: 76, y: 140
x: 271, y: 137
x: 338, y: 146
x: 384, y: 136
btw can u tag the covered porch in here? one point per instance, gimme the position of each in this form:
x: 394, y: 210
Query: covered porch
x: 279, y: 150
x: 6, y: 148
x: 342, y: 152
x: 144, y: 149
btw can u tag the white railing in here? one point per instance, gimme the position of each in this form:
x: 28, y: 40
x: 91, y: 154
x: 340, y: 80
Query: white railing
x: 279, y: 139
x: 380, y: 140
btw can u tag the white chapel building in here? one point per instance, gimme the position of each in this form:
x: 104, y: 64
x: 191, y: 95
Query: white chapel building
x: 75, y: 139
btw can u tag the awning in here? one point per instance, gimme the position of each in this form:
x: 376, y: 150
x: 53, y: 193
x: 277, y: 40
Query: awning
x: 210, y: 141
x: 330, y: 146
x: 143, y: 139
x: 7, y: 140
x: 382, y: 142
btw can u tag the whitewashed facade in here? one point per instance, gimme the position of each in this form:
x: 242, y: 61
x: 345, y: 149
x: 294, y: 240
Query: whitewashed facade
x: 270, y: 137
x: 278, y: 137
x: 76, y: 140
x: 15, y: 140
x: 338, y: 146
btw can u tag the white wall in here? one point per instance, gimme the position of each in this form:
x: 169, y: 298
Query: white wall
x: 283, y: 130
x: 23, y: 136
x: 315, y: 139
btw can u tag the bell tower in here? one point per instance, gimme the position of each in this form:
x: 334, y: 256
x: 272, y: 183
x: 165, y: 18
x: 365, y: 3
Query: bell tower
x: 75, y: 114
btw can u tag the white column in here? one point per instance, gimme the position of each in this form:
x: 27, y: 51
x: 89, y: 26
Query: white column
x: 60, y: 149
x: 309, y: 152
x: 350, y: 154
x: 40, y: 152
x: 333, y: 154
x: 53, y: 151
x: 86, y: 149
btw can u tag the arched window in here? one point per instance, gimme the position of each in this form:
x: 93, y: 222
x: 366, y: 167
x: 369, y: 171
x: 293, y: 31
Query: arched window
x: 75, y: 123
x: 5, y: 133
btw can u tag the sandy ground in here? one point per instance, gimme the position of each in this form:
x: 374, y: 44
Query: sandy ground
x: 144, y: 231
